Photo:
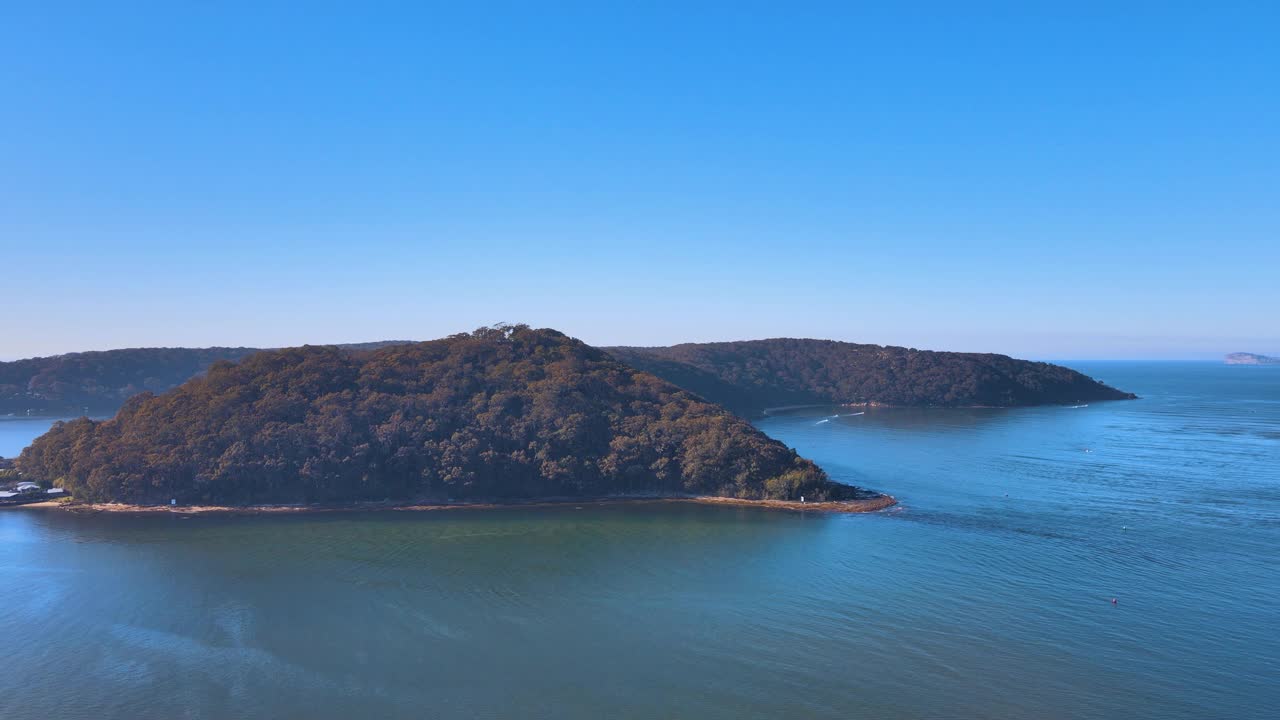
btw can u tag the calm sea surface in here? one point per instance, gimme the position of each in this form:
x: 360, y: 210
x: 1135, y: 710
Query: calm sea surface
x: 986, y: 594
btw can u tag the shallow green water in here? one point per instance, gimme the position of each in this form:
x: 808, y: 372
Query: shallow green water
x: 985, y: 594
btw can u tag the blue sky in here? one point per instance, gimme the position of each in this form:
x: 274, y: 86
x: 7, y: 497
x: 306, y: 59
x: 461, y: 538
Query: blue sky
x: 1069, y: 180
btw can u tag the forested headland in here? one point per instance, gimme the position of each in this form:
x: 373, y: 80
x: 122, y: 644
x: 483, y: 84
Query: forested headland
x: 745, y: 376
x: 750, y: 376
x: 98, y: 382
x: 502, y: 413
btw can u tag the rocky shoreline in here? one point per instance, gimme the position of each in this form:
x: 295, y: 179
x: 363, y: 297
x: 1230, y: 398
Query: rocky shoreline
x: 870, y: 503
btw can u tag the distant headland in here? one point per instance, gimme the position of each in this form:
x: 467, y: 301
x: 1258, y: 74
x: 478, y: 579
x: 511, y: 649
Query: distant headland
x: 1244, y: 358
x: 750, y: 376
x: 744, y: 376
x: 99, y: 382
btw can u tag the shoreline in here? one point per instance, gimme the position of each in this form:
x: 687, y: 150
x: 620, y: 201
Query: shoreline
x: 861, y: 505
x: 783, y: 410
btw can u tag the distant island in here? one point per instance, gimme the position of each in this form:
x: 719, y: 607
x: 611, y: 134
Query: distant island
x: 508, y: 414
x: 1243, y: 358
x: 750, y: 376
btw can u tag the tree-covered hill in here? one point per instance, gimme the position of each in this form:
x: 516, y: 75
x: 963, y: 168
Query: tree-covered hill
x: 750, y: 376
x: 744, y: 376
x: 99, y: 382
x: 501, y: 413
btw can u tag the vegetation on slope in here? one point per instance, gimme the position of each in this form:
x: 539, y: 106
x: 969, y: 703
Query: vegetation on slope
x: 750, y: 376
x: 501, y: 413
x: 98, y: 383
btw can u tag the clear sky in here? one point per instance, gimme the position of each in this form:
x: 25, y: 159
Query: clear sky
x: 1050, y: 180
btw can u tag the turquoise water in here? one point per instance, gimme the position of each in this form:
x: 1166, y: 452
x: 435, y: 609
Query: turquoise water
x: 985, y: 594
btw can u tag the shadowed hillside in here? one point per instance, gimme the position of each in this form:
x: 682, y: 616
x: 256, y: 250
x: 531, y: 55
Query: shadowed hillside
x: 501, y: 413
x: 749, y: 376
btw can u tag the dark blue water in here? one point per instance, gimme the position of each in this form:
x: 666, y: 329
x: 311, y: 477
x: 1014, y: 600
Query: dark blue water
x: 985, y: 594
x: 18, y: 432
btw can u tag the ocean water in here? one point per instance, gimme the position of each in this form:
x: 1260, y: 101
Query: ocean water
x: 18, y: 432
x: 985, y: 594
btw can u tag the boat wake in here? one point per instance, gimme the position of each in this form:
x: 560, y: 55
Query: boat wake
x: 833, y: 417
